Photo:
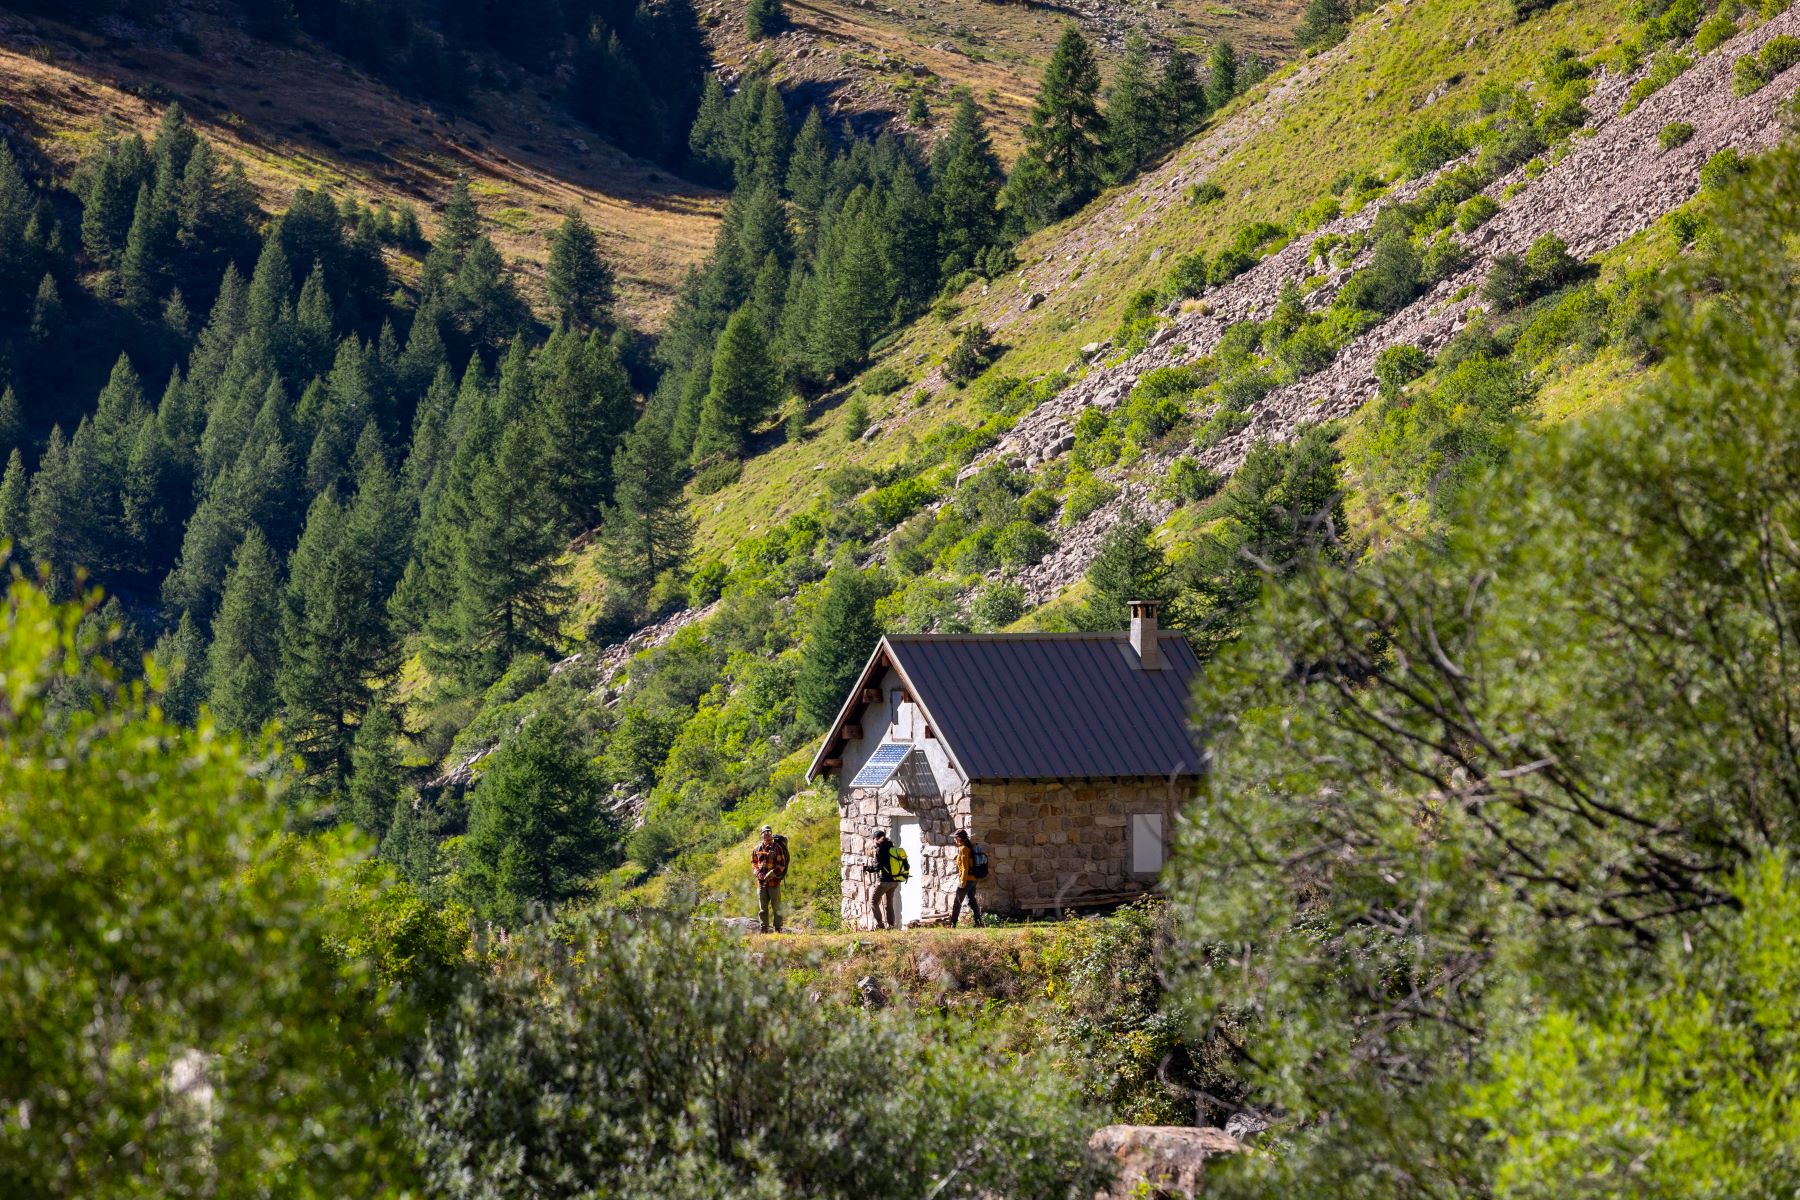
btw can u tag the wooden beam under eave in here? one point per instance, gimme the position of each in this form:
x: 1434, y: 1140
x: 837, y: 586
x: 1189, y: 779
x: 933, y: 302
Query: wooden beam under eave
x: 851, y: 733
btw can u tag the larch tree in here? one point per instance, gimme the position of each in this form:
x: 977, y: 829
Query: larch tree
x: 1064, y: 156
x: 966, y: 181
x: 1133, y: 120
x: 376, y: 772
x: 538, y: 827
x: 335, y: 640
x: 1180, y: 96
x: 647, y: 530
x: 744, y: 388
x: 844, y: 631
x: 1222, y: 74
x: 578, y: 280
x: 245, y: 655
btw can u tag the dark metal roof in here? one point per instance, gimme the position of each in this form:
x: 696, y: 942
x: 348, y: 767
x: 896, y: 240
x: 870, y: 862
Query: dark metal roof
x: 1046, y: 706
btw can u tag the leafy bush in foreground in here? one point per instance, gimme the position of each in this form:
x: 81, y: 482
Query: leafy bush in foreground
x: 652, y: 1058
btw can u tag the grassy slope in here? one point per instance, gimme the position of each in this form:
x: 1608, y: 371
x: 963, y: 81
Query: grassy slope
x: 297, y: 116
x: 1276, y: 151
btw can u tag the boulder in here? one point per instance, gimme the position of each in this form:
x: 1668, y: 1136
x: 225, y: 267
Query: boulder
x: 1157, y: 1160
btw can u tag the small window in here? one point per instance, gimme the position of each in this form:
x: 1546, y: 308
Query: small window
x: 896, y: 698
x: 1147, y: 847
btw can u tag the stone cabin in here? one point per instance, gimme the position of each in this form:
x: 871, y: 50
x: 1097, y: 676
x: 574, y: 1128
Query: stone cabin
x: 1066, y: 755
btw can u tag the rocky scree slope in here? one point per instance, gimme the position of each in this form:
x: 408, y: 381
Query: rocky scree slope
x: 1607, y: 187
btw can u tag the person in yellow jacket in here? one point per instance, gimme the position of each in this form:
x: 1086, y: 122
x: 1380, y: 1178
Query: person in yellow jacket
x: 965, y: 875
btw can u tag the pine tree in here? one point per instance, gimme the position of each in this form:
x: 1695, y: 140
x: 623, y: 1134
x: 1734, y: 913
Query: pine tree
x: 1133, y: 119
x: 585, y: 397
x: 843, y: 634
x: 763, y: 18
x: 376, y: 778
x: 206, y: 545
x: 18, y: 265
x: 14, y: 507
x: 335, y: 640
x: 1222, y: 74
x: 809, y: 173
x: 181, y: 659
x: 709, y: 143
x: 966, y: 182
x: 538, y: 828
x: 142, y: 268
x: 1128, y: 567
x: 54, y: 515
x: 12, y: 421
x: 46, y: 311
x: 578, y: 280
x: 154, y: 510
x: 245, y: 655
x: 744, y: 388
x: 648, y: 529
x: 510, y: 588
x: 486, y: 300
x: 1325, y: 24
x: 1063, y: 156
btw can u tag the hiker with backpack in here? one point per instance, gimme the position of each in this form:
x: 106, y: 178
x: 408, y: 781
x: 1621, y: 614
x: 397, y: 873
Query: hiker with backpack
x: 891, y: 870
x: 971, y: 865
x: 769, y: 864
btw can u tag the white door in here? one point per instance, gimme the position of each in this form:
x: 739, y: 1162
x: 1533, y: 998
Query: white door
x: 911, y: 839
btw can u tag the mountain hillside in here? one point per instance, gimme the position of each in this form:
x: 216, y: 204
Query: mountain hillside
x: 864, y: 61
x: 299, y: 116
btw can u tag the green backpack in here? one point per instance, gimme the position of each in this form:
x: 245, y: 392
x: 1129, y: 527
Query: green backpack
x: 898, y: 867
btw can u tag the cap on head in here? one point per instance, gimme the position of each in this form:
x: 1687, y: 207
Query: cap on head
x: 768, y: 829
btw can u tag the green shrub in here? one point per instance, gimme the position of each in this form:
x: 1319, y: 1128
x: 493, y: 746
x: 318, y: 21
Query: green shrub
x: 997, y: 605
x: 1428, y: 147
x: 883, y: 381
x: 1716, y: 30
x: 1564, y: 67
x: 1722, y: 168
x: 1022, y: 544
x: 1087, y: 494
x: 1668, y: 66
x: 969, y: 356
x: 1508, y: 283
x: 1475, y: 212
x: 741, y: 1084
x: 899, y: 500
x: 1205, y: 192
x: 1443, y: 259
x: 1524, y: 10
x: 1229, y: 265
x: 1320, y: 213
x: 1397, y: 366
x: 1391, y: 279
x: 1684, y: 226
x: 707, y: 583
x: 1753, y: 72
x: 708, y: 480
x: 1187, y: 482
x: 1187, y: 277
x: 856, y: 418
x: 1674, y: 134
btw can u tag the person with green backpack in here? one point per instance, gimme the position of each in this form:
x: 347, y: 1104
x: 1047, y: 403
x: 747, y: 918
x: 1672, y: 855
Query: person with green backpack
x: 971, y: 865
x: 891, y: 870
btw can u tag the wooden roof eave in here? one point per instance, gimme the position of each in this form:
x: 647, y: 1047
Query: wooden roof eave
x: 881, y: 658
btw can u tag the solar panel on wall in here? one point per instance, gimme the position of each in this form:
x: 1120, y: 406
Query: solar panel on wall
x: 881, y: 765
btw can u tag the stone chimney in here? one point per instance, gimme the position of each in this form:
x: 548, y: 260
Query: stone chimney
x: 1143, y: 635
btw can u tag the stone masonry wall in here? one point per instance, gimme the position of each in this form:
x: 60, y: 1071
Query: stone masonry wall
x: 1050, y: 844
x: 1056, y: 844
x: 863, y: 811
